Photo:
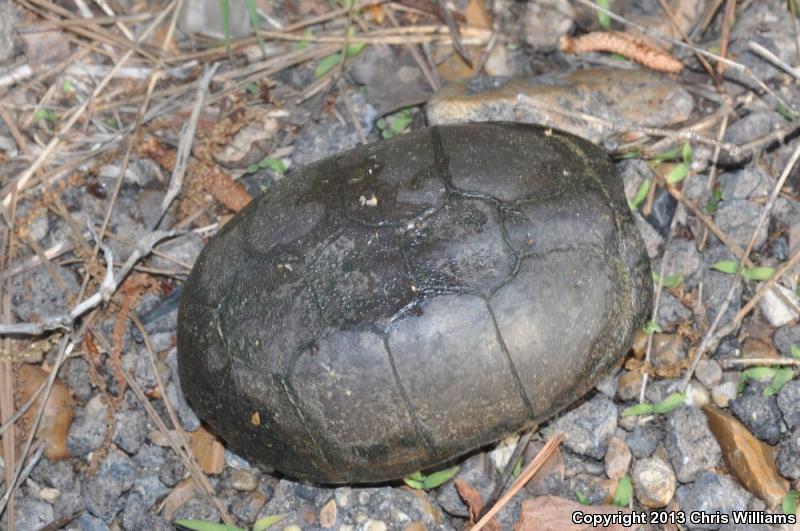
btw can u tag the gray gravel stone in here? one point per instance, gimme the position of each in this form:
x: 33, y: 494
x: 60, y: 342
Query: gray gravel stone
x: 644, y: 439
x: 759, y: 413
x: 8, y: 25
x: 30, y: 514
x: 87, y: 522
x: 144, y: 493
x: 738, y: 219
x: 56, y: 474
x: 35, y: 294
x: 88, y: 429
x: 690, y: 445
x: 789, y: 403
x: 186, y: 414
x: 711, y: 493
x: 747, y: 183
x: 172, y: 471
x: 785, y: 337
x: 151, y: 456
x: 716, y: 284
x: 130, y: 431
x: 652, y: 239
x: 474, y: 471
x: 683, y: 258
x: 75, y: 374
x: 754, y: 125
x: 671, y: 311
x: 104, y: 490
x: 199, y: 508
x: 588, y: 427
x: 788, y: 455
x: 183, y: 249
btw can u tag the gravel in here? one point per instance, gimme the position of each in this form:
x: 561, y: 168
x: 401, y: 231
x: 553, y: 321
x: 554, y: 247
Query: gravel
x: 690, y: 445
x: 710, y: 493
x: 759, y: 413
x: 588, y: 427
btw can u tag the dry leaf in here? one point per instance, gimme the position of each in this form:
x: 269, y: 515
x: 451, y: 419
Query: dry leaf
x: 749, y: 459
x: 180, y: 494
x: 632, y: 47
x: 551, y: 513
x: 474, y: 502
x: 477, y: 15
x: 327, y: 515
x: 208, y: 451
x: 58, y: 412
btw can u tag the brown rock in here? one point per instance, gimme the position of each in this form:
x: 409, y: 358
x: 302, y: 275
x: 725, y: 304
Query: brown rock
x: 617, y: 458
x: 750, y: 460
x: 668, y: 350
x: 628, y: 98
x: 208, y: 451
x: 58, y: 412
x: 629, y: 384
x: 640, y: 344
x: 243, y: 480
x: 327, y: 515
x: 758, y: 348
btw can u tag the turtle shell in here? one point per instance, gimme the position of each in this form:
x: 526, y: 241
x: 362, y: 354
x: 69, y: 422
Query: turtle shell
x: 392, y: 307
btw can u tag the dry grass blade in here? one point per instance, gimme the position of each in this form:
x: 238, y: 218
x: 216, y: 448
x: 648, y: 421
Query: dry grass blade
x: 541, y: 458
x: 710, y: 336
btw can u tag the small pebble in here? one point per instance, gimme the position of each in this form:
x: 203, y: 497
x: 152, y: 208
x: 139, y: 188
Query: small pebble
x: 691, y: 446
x: 629, y: 385
x: 49, y: 494
x: 617, y: 459
x: 415, y: 526
x: 243, y: 480
x: 668, y: 349
x: 375, y: 525
x: 588, y: 427
x: 723, y: 393
x: 789, y: 402
x: 708, y: 372
x: 653, y: 482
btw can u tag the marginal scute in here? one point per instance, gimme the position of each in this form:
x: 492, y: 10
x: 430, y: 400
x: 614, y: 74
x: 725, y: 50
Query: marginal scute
x: 557, y: 304
x: 404, y: 303
x: 457, y: 327
x: 341, y: 384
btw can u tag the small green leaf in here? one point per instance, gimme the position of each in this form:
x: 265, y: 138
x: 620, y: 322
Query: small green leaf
x: 225, y: 10
x: 641, y: 194
x: 517, y: 468
x: 790, y: 502
x: 268, y: 521
x: 327, y: 63
x: 672, y: 402
x: 669, y: 281
x: 687, y: 153
x: 622, y: 496
x: 794, y: 351
x: 634, y: 154
x: 394, y: 124
x: 782, y: 375
x: 786, y: 113
x: 252, y: 10
x: 199, y: 525
x: 638, y: 409
x: 581, y: 497
x: 252, y: 88
x: 760, y: 374
x: 302, y: 45
x: 757, y: 273
x: 44, y: 114
x: 413, y: 483
x: 275, y: 165
x: 66, y: 87
x: 678, y: 173
x: 652, y: 327
x: 726, y: 266
x: 713, y: 202
x: 252, y: 168
x: 440, y: 478
x: 670, y: 154
x: 602, y: 18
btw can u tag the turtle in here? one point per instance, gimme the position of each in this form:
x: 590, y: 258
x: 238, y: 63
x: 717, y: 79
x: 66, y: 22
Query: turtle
x: 395, y: 306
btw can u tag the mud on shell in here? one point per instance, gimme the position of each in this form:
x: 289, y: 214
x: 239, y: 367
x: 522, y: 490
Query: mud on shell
x: 400, y: 304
